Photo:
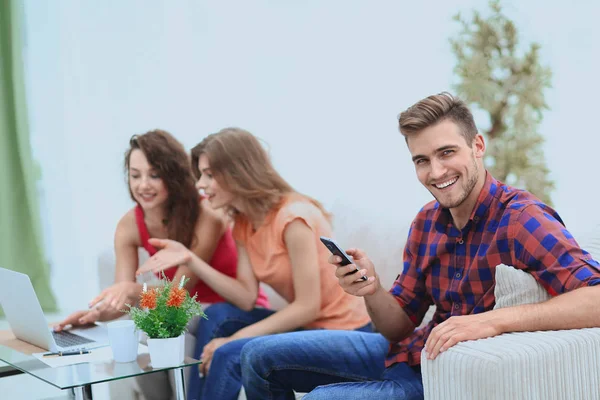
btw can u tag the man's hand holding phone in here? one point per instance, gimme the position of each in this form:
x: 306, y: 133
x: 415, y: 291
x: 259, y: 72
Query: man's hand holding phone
x: 354, y: 280
x: 351, y: 276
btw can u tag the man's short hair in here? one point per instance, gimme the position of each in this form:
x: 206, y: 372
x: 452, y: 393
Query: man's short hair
x: 435, y: 109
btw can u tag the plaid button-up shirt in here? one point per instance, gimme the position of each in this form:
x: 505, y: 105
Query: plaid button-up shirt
x: 454, y: 269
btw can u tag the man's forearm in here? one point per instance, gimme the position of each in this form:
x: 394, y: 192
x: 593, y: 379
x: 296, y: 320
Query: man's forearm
x: 572, y: 310
x: 388, y: 316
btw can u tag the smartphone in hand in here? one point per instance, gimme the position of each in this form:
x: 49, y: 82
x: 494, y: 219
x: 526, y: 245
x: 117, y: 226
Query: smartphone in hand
x: 337, y: 250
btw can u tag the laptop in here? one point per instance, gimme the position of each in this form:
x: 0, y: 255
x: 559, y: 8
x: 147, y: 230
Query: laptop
x: 28, y: 322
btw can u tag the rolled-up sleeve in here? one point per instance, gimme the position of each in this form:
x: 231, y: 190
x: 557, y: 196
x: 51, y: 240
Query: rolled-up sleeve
x: 409, y: 289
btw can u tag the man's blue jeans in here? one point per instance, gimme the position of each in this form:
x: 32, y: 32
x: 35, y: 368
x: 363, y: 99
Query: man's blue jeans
x: 224, y: 320
x: 330, y: 365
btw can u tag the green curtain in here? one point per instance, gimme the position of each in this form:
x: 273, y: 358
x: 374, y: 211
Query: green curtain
x: 21, y: 246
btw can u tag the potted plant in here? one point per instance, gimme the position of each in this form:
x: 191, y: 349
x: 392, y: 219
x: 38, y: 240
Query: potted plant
x: 164, y: 313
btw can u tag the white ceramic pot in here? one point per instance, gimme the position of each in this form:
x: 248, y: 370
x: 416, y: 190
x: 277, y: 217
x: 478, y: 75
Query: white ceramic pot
x: 166, y: 353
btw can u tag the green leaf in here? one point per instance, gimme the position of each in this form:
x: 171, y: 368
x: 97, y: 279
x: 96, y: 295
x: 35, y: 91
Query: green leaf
x: 166, y: 321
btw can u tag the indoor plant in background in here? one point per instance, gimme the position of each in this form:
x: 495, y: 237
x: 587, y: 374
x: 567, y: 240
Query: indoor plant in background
x: 163, y: 314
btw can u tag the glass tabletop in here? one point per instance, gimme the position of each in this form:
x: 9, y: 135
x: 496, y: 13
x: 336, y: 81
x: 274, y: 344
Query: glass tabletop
x: 84, y: 373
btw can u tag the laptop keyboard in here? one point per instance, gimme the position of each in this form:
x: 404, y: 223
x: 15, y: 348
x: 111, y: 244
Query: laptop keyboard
x: 68, y: 339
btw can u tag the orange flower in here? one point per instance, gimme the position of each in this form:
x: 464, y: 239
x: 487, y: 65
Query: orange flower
x: 176, y: 297
x: 148, y: 299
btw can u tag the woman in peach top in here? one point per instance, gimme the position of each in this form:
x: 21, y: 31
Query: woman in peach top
x: 277, y: 235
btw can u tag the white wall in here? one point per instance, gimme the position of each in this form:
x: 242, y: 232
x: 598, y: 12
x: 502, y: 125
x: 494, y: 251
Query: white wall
x: 321, y: 82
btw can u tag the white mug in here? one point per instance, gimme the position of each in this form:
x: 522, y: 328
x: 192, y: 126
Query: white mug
x: 124, y: 338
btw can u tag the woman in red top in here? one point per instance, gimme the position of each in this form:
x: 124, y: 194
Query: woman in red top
x: 162, y: 184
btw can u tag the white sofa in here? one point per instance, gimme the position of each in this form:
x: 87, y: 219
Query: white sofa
x: 535, y: 365
x: 551, y: 365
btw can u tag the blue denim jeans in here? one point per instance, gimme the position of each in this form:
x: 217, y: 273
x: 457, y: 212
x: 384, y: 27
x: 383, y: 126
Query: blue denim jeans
x: 225, y: 378
x: 224, y: 320
x: 330, y: 365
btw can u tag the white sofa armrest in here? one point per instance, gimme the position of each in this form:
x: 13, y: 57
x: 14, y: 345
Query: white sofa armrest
x: 523, y: 365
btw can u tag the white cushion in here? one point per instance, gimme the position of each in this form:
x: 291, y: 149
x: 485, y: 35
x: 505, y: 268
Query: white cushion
x: 515, y: 287
x: 550, y: 365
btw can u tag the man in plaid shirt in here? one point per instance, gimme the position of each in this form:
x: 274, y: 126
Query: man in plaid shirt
x: 453, y: 248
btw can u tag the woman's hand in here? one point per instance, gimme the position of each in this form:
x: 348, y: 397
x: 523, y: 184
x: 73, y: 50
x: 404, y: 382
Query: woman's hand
x: 79, y: 318
x: 172, y: 254
x: 113, y: 299
x: 209, y: 350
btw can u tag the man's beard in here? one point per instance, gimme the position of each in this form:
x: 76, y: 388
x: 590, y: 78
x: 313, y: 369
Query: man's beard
x: 467, y: 189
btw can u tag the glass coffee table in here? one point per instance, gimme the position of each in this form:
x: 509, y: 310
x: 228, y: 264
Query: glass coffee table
x: 78, y: 376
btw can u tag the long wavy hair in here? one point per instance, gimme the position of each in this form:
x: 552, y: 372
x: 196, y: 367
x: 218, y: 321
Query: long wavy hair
x: 172, y: 164
x: 242, y: 166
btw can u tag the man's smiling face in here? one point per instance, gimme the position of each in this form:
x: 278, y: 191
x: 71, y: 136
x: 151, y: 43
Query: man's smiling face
x: 445, y: 164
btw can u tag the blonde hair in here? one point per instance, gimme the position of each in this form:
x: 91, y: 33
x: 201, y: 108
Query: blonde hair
x: 242, y: 166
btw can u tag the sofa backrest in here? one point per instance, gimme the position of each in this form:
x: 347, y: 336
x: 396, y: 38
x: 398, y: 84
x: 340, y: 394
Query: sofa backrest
x: 106, y: 268
x: 590, y: 241
x: 381, y: 235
